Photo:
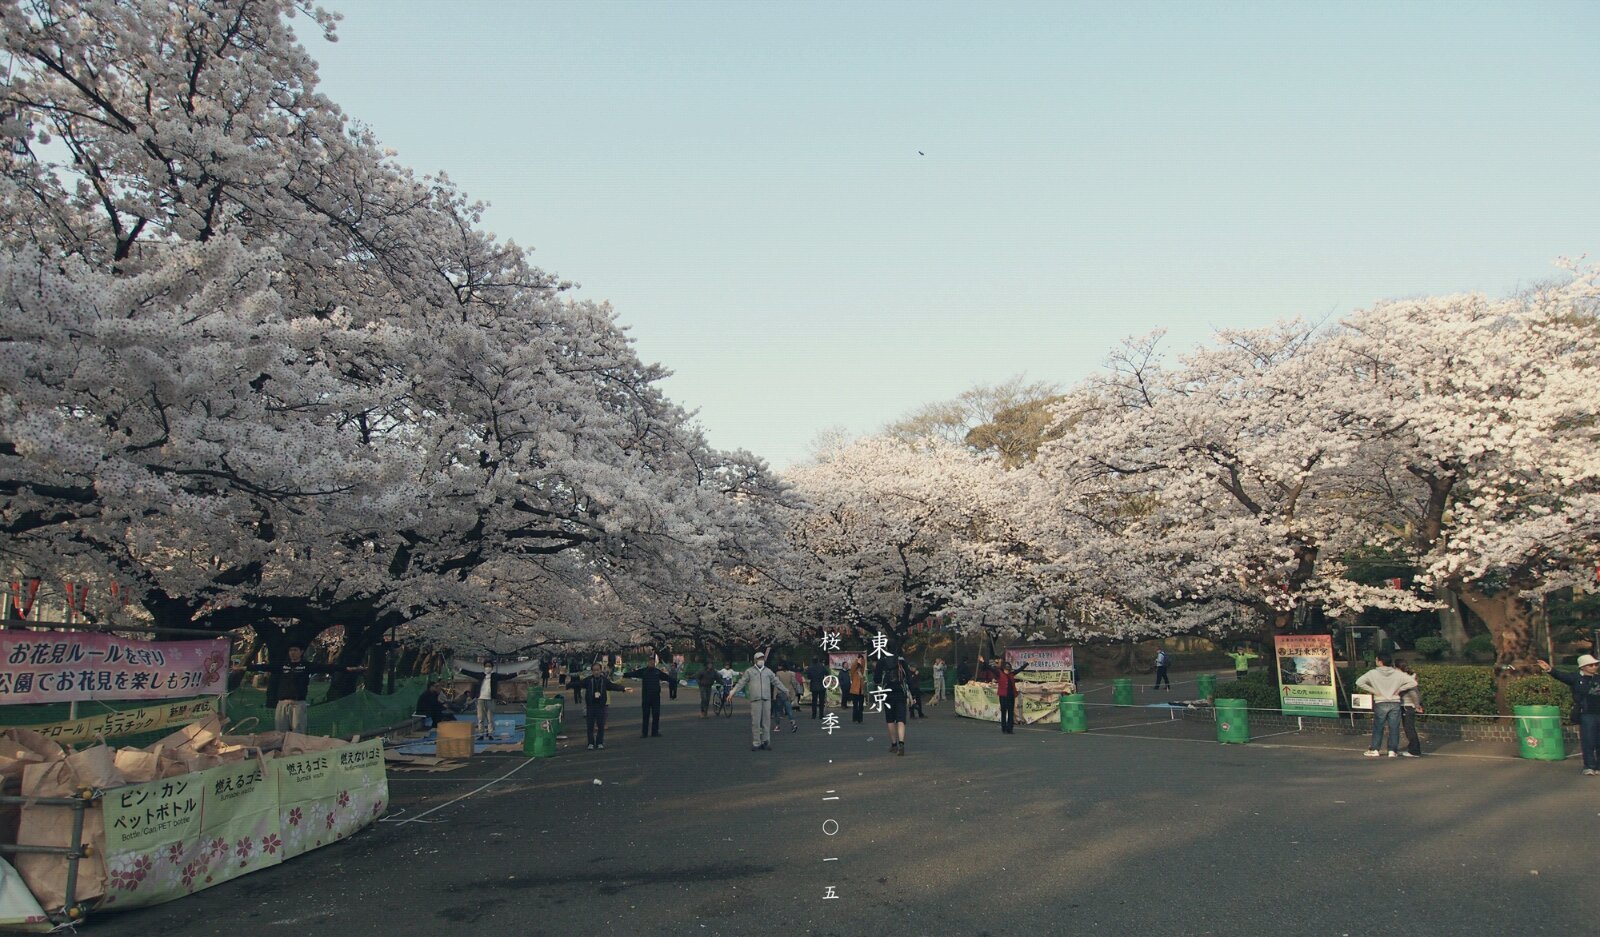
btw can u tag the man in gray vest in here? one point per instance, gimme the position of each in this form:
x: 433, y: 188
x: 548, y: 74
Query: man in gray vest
x: 763, y: 685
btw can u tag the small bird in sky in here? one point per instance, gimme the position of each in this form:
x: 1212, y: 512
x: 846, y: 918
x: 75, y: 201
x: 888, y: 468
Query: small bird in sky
x: 920, y: 153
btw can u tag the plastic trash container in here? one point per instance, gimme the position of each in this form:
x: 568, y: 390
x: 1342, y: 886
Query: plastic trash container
x: 1539, y: 732
x: 1207, y: 685
x: 1122, y: 691
x: 1073, y: 716
x: 1233, y: 721
x: 539, y: 737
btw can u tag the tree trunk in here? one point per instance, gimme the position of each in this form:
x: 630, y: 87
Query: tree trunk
x: 1451, y: 626
x: 1511, y: 626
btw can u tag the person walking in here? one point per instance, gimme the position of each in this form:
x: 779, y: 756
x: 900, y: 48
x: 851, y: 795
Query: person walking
x: 1162, y: 660
x: 914, y: 687
x: 596, y: 689
x: 781, y: 708
x: 1006, y: 689
x: 817, y: 674
x: 1410, y: 709
x: 725, y: 691
x: 709, y: 680
x: 763, y: 685
x: 289, y: 684
x: 893, y: 676
x: 938, y: 680
x: 675, y: 670
x: 1385, y: 684
x: 1585, y: 686
x: 651, y: 677
x: 858, y: 687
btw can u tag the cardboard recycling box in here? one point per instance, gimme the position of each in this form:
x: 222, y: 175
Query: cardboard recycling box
x: 204, y: 808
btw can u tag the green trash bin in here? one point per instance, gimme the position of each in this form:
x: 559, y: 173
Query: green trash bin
x: 1233, y: 721
x: 1207, y: 685
x: 1122, y: 691
x: 1073, y: 717
x: 535, y: 698
x: 539, y: 735
x: 1539, y: 732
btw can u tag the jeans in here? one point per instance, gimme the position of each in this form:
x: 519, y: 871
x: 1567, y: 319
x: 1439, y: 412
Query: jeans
x: 1385, y: 716
x: 1008, y: 713
x: 1161, y: 677
x: 819, y: 701
x: 781, y: 709
x: 1589, y: 739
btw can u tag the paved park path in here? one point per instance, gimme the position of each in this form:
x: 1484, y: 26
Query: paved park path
x: 1145, y: 826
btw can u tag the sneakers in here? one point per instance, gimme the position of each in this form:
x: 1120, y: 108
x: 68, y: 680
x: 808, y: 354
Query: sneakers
x: 1373, y: 753
x: 1394, y: 754
x: 601, y: 745
x: 794, y: 726
x: 1590, y: 772
x: 1407, y: 755
x: 902, y: 748
x: 591, y: 746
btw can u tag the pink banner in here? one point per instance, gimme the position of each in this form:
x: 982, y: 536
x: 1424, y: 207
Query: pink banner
x: 1052, y: 658
x: 63, y: 666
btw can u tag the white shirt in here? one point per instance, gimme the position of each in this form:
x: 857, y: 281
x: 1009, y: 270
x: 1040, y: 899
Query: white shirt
x: 486, y: 691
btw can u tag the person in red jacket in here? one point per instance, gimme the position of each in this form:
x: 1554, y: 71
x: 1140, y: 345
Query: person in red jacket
x: 1006, y: 686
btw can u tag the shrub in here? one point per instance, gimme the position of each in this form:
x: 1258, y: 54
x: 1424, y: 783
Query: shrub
x: 1258, y: 690
x: 1541, y: 690
x: 1432, y: 646
x: 1480, y: 647
x: 1457, y: 688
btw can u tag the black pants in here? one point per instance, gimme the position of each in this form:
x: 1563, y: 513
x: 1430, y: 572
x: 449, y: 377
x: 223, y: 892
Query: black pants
x: 856, y: 701
x: 819, y: 702
x: 652, y: 716
x: 916, y: 706
x: 1408, y: 725
x: 1161, y: 677
x: 706, y: 690
x: 1008, y: 713
x: 596, y: 719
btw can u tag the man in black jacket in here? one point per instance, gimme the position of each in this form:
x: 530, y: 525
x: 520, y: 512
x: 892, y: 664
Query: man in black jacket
x: 594, y: 689
x: 816, y: 674
x: 1585, y: 685
x: 290, y: 682
x: 652, y: 677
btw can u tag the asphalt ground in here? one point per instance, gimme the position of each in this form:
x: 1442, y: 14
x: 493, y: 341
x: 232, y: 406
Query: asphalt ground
x: 1145, y: 825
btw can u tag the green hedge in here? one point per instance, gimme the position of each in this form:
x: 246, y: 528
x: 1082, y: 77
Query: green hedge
x: 1541, y: 690
x: 1457, y: 688
x: 1432, y: 646
x: 1258, y: 690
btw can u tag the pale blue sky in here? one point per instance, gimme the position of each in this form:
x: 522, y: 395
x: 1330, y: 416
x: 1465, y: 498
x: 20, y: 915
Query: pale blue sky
x: 741, y: 179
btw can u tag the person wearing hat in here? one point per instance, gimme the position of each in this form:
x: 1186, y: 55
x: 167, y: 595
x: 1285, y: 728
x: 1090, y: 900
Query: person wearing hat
x: 1585, y: 686
x: 763, y: 686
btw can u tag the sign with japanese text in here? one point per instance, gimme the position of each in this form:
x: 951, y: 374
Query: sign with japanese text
x: 1305, y: 675
x: 67, y: 666
x: 168, y: 838
x: 1042, y: 658
x: 325, y: 796
x: 128, y: 721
